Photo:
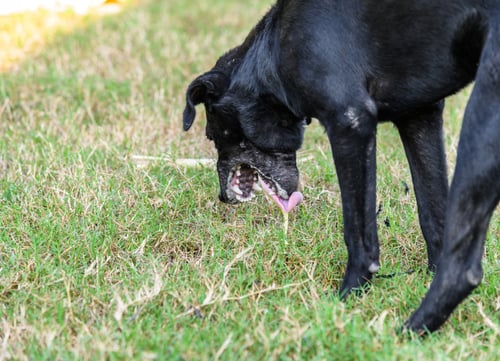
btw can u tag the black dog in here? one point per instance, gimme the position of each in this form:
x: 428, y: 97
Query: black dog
x: 351, y: 64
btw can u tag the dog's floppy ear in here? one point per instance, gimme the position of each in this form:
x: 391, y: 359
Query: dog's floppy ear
x: 204, y: 89
x: 271, y: 125
x: 284, y: 112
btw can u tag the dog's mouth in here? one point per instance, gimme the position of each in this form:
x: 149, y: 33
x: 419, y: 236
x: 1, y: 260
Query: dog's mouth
x: 244, y: 180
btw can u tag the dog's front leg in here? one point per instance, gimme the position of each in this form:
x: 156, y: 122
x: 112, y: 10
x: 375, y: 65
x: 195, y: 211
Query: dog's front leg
x: 352, y: 135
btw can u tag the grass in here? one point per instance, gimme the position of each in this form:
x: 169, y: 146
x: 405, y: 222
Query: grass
x: 106, y: 258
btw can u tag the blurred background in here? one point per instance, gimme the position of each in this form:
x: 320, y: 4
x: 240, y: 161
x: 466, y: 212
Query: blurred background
x: 78, y: 6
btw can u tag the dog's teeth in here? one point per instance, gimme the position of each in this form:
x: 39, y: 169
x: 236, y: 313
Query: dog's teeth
x: 237, y: 190
x: 238, y: 173
x: 237, y: 181
x: 256, y: 187
x: 242, y: 199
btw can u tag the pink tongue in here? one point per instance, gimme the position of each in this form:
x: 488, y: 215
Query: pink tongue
x: 286, y: 205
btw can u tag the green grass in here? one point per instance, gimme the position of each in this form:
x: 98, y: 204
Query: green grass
x: 103, y: 257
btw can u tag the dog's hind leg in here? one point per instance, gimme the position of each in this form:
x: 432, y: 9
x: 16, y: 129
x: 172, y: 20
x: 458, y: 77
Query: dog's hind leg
x: 422, y: 137
x: 474, y: 194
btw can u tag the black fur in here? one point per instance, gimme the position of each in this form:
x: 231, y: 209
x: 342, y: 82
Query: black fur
x: 352, y: 64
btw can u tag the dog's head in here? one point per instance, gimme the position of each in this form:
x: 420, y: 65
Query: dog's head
x: 256, y: 137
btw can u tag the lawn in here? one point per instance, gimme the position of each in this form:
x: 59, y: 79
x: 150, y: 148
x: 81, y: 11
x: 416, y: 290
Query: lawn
x: 110, y: 249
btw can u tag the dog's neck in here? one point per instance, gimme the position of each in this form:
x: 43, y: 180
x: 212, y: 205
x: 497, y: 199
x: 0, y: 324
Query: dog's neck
x: 253, y: 67
x: 259, y: 61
